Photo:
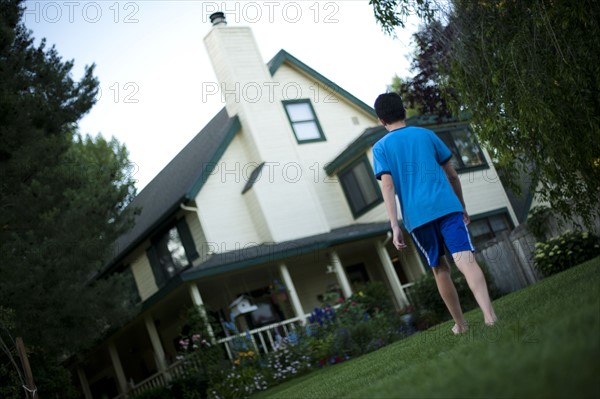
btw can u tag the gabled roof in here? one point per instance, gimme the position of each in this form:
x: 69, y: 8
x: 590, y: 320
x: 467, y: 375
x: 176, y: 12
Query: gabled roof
x: 179, y: 181
x: 283, y: 56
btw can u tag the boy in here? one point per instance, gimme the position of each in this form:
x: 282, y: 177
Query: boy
x: 414, y: 163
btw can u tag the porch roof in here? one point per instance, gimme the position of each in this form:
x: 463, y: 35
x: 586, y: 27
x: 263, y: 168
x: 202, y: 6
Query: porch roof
x: 231, y: 261
x: 272, y: 252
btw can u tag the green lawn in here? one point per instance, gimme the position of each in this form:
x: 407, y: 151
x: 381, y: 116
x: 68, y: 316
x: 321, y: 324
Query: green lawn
x: 546, y: 346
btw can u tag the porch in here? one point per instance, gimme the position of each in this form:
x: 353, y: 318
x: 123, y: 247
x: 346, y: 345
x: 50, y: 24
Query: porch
x: 144, y: 354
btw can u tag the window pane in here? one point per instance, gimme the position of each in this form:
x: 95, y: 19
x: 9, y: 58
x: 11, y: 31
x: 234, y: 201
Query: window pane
x: 360, y: 187
x: 479, y: 228
x: 171, y: 253
x: 365, y: 182
x: 306, y: 131
x: 446, y: 137
x: 469, y: 151
x: 352, y: 191
x: 300, y: 112
x: 499, y: 223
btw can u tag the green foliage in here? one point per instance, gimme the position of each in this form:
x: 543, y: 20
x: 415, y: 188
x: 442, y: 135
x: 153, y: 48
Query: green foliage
x: 290, y: 359
x: 375, y: 298
x: 565, y: 251
x: 238, y: 383
x: 391, y: 14
x: 528, y: 72
x: 429, y: 90
x: 62, y: 200
x: 204, y: 356
x: 537, y: 221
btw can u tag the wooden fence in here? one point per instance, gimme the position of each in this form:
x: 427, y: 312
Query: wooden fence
x: 509, y: 257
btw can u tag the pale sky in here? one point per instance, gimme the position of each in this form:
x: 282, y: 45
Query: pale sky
x: 154, y: 69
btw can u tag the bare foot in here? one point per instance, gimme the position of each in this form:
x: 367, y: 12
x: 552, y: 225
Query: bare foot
x: 460, y: 329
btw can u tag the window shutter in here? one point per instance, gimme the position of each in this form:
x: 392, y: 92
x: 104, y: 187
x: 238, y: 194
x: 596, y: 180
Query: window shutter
x: 187, y: 240
x: 157, y: 270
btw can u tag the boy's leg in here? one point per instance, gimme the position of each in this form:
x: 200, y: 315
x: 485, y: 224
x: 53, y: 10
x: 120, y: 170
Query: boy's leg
x: 448, y: 293
x: 466, y: 263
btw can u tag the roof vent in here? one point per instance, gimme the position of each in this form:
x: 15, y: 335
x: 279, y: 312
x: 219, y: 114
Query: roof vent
x: 218, y: 18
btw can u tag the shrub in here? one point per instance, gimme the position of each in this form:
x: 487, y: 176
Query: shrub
x: 290, y: 359
x: 375, y: 298
x: 565, y: 251
x: 239, y: 382
x: 204, y: 358
x: 537, y: 221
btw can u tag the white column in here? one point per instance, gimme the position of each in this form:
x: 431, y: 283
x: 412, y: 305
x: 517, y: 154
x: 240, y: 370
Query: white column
x: 294, y: 299
x: 159, y: 352
x: 118, y: 367
x: 388, y: 267
x: 341, y: 274
x: 85, y: 386
x: 199, y: 304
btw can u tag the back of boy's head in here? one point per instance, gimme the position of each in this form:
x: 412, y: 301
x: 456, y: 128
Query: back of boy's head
x: 389, y: 108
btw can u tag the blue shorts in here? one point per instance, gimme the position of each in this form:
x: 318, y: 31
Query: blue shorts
x: 448, y: 232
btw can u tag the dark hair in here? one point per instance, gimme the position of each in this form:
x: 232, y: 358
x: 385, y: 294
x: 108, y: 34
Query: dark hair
x: 389, y: 108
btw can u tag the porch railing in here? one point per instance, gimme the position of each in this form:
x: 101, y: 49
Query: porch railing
x: 262, y: 339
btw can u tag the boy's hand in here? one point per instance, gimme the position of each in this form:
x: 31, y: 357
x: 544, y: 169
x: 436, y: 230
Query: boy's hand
x: 466, y: 218
x: 398, y: 239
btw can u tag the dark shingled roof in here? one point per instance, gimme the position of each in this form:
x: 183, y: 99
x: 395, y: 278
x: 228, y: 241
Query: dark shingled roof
x: 272, y: 252
x: 179, y: 181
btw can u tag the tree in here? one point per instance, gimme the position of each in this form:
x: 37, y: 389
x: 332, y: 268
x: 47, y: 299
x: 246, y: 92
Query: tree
x: 391, y: 14
x: 62, y: 203
x: 528, y: 74
x: 429, y: 91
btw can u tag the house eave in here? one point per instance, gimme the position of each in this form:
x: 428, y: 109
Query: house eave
x: 283, y: 56
x: 355, y: 149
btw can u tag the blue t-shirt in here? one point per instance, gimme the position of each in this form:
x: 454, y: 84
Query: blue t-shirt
x: 413, y: 155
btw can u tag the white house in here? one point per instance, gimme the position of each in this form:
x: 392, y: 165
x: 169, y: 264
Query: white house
x: 277, y: 187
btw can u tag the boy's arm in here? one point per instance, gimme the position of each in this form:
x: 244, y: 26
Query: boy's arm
x: 389, y: 198
x: 456, y: 186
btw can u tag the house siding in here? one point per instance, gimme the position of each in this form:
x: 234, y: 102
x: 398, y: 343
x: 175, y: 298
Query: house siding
x: 225, y: 214
x: 240, y: 69
x: 335, y: 115
x: 483, y: 191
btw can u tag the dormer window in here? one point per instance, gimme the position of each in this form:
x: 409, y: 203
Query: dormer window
x: 304, y: 121
x: 171, y: 252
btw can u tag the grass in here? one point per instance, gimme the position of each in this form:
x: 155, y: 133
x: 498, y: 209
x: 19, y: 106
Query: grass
x: 545, y: 346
